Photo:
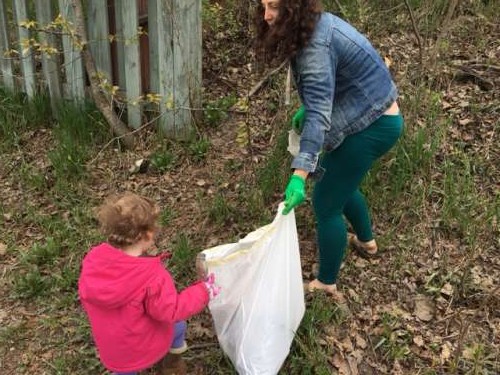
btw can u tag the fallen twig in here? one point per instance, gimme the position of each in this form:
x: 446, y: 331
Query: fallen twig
x: 481, y: 81
x: 259, y: 84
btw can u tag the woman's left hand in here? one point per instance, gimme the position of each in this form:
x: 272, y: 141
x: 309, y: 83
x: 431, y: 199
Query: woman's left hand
x: 298, y: 119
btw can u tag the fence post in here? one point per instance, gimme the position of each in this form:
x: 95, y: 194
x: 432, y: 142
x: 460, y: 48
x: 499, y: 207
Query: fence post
x: 175, y: 44
x: 131, y: 62
x: 73, y: 64
x: 50, y: 61
x: 154, y: 50
x: 120, y: 47
x: 5, y: 59
x: 193, y: 57
x: 25, y: 53
x: 98, y: 34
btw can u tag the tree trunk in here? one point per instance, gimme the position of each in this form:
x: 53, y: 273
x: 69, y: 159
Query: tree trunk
x: 117, y: 126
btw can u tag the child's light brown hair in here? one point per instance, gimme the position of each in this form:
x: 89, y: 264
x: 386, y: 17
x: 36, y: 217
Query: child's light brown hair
x: 126, y: 218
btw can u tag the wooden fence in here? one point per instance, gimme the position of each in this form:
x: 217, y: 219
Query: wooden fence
x: 140, y: 47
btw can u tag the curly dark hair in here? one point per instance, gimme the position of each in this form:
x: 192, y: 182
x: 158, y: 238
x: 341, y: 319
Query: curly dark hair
x: 291, y: 32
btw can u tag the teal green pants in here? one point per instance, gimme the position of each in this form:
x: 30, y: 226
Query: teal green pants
x: 337, y: 194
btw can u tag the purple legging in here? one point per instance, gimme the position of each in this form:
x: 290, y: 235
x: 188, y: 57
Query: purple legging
x: 179, y: 334
x: 179, y: 337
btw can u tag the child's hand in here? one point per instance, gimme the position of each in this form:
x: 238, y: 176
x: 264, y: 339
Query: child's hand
x: 212, y: 288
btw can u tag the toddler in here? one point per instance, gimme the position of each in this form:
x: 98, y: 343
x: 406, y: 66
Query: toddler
x: 135, y: 312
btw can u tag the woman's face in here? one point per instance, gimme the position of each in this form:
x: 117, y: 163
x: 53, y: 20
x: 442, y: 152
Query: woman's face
x: 271, y: 10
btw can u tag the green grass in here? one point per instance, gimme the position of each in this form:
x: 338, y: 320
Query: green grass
x: 220, y: 210
x: 182, y: 263
x: 216, y: 112
x: 197, y: 148
x: 166, y: 216
x: 34, y: 276
x: 163, y: 160
x: 393, y: 342
x: 309, y: 355
x: 269, y: 181
x: 77, y: 131
x: 19, y: 115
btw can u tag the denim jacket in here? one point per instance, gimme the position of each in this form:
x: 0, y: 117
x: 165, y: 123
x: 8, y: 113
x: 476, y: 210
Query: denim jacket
x: 344, y: 86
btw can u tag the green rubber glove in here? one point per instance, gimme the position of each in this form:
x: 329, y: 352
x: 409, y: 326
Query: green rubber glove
x: 298, y: 119
x: 295, y: 193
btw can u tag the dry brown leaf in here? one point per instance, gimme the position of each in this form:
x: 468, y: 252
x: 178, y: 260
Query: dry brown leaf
x: 347, y: 345
x: 445, y: 352
x: 447, y: 289
x: 397, y: 369
x: 361, y: 263
x: 360, y: 342
x: 3, y: 249
x: 3, y: 315
x: 481, y: 278
x: 323, y: 342
x: 445, y: 104
x: 353, y: 365
x: 465, y: 121
x: 341, y: 364
x: 198, y: 330
x: 398, y: 311
x: 358, y: 354
x: 418, y: 340
x: 424, y: 308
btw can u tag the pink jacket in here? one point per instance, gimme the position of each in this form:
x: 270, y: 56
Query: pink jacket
x: 132, y: 305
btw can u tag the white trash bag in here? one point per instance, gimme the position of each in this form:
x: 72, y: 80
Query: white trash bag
x: 293, y: 142
x: 261, y: 302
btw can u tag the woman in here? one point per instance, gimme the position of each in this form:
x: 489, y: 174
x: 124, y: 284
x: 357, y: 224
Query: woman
x: 349, y: 111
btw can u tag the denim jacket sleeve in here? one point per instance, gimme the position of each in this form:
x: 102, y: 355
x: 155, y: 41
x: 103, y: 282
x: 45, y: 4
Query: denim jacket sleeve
x: 314, y: 70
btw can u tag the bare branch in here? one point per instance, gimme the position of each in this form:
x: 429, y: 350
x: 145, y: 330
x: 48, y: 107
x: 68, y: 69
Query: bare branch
x: 415, y: 30
x: 476, y: 77
x: 259, y: 84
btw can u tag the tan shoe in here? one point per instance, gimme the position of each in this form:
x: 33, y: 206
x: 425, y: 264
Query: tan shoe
x: 330, y: 289
x: 181, y: 349
x: 364, y: 249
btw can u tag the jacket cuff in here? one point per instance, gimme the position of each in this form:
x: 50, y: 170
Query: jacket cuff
x: 305, y: 161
